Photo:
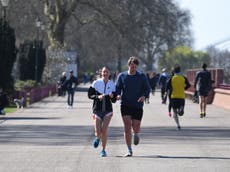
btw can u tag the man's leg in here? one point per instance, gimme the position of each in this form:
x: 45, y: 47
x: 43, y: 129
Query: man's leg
x: 162, y: 95
x: 68, y: 98
x: 128, y: 131
x: 175, y: 116
x: 136, y: 124
x: 72, y: 97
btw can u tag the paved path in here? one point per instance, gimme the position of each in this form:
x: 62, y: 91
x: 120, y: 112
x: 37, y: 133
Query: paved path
x: 48, y: 137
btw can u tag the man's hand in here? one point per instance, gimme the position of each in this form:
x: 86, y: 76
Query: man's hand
x: 141, y: 99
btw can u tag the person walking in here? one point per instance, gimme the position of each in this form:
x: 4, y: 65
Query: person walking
x: 162, y: 83
x: 132, y: 88
x: 178, y: 83
x: 103, y: 94
x: 71, y: 84
x: 62, y: 83
x: 203, y: 84
x: 149, y: 80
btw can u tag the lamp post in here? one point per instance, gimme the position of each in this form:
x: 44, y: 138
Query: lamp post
x: 38, y: 25
x: 5, y: 4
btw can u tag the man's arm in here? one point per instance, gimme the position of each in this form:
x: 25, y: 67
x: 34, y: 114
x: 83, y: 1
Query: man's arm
x: 119, y: 85
x: 187, y: 84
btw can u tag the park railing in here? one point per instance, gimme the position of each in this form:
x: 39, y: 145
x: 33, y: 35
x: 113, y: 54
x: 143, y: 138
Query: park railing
x: 219, y: 94
x: 36, y: 94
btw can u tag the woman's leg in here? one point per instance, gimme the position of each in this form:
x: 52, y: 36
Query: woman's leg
x: 104, y: 130
x: 97, y: 127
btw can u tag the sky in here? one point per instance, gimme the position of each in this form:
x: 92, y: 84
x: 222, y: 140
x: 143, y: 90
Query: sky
x: 210, y: 22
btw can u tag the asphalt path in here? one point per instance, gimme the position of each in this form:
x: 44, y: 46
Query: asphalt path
x: 48, y: 137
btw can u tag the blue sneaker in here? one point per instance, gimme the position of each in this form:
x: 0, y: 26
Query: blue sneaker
x: 96, y: 142
x: 103, y: 153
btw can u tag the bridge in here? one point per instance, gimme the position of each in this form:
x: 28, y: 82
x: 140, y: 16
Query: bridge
x: 223, y: 44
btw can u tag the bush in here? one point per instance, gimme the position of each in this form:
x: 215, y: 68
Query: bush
x: 24, y: 85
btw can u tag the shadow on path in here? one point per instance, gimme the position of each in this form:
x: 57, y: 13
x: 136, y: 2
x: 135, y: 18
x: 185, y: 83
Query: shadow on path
x: 183, y: 157
x: 83, y: 135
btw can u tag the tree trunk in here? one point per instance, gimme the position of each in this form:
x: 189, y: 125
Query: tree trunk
x: 57, y: 35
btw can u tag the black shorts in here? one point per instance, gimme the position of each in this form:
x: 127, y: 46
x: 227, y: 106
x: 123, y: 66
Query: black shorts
x: 177, y: 103
x: 203, y: 93
x: 135, y: 113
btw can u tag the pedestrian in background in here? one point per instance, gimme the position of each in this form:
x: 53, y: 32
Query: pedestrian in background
x: 62, y: 83
x: 149, y: 80
x: 162, y: 83
x: 203, y: 84
x: 102, y: 92
x: 132, y: 88
x: 71, y: 84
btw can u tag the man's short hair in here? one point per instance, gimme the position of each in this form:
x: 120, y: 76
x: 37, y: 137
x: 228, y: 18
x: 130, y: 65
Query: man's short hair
x: 134, y: 60
x: 204, y: 66
x: 177, y: 69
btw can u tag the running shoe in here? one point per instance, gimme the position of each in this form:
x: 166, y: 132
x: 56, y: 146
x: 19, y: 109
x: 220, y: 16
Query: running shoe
x: 170, y: 114
x: 204, y: 114
x: 103, y: 153
x: 136, y: 139
x: 201, y: 115
x: 129, y: 154
x: 178, y: 128
x: 96, y: 142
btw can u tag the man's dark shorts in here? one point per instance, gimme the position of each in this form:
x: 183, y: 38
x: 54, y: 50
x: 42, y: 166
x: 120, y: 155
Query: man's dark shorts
x: 177, y: 103
x: 135, y: 113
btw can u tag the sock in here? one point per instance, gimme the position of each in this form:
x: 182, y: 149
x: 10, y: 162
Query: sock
x: 130, y: 149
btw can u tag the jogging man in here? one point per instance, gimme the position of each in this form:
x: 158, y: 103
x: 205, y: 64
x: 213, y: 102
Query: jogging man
x: 132, y: 88
x: 178, y: 83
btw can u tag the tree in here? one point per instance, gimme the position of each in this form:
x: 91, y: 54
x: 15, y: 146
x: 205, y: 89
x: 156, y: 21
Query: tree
x: 7, y: 55
x: 220, y: 59
x: 27, y: 60
x: 113, y: 30
x: 58, y: 13
x: 185, y: 57
x: 163, y: 22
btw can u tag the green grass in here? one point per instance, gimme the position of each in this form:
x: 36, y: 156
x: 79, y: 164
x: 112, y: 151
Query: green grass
x: 10, y: 109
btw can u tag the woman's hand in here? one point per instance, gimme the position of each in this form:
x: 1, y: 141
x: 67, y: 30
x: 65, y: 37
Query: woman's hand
x: 111, y: 95
x: 101, y: 97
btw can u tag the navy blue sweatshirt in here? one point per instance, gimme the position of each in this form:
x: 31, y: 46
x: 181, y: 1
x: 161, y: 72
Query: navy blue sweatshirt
x: 131, y: 88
